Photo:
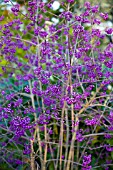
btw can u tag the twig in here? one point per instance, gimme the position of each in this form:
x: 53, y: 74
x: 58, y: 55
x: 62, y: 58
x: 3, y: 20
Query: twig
x: 76, y: 127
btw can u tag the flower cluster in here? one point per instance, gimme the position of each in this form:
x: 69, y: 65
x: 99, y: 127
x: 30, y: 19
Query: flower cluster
x: 86, y: 162
x: 19, y: 125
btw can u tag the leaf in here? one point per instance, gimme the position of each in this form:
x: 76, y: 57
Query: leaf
x: 3, y: 62
x: 44, y: 66
x: 55, y: 129
x: 51, y: 167
x: 5, y: 13
x: 71, y: 31
x: 112, y: 155
x: 110, y: 141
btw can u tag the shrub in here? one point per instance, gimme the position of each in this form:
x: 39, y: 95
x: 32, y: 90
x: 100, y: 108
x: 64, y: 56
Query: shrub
x: 56, y: 88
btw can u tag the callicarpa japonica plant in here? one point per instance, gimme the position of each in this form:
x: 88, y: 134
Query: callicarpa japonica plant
x: 56, y: 94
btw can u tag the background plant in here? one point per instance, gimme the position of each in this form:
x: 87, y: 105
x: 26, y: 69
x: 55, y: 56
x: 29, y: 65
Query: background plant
x: 56, y: 88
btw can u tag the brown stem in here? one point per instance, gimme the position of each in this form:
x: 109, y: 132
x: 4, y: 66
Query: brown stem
x: 76, y: 127
x: 36, y: 133
x: 72, y: 115
x: 45, y: 149
x: 77, y: 153
x: 60, y: 146
x: 67, y: 138
x: 61, y: 134
x: 51, y: 150
x: 32, y: 156
x: 72, y: 145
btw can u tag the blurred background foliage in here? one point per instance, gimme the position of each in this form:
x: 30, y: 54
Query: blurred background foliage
x: 105, y: 6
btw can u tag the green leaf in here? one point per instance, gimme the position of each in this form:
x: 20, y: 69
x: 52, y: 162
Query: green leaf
x: 71, y: 31
x: 44, y: 66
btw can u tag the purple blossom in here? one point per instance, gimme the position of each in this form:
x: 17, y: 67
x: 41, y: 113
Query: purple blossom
x: 109, y: 30
x: 104, y: 15
x: 70, y: 1
x: 86, y: 162
x: 79, y: 137
x: 6, y: 1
